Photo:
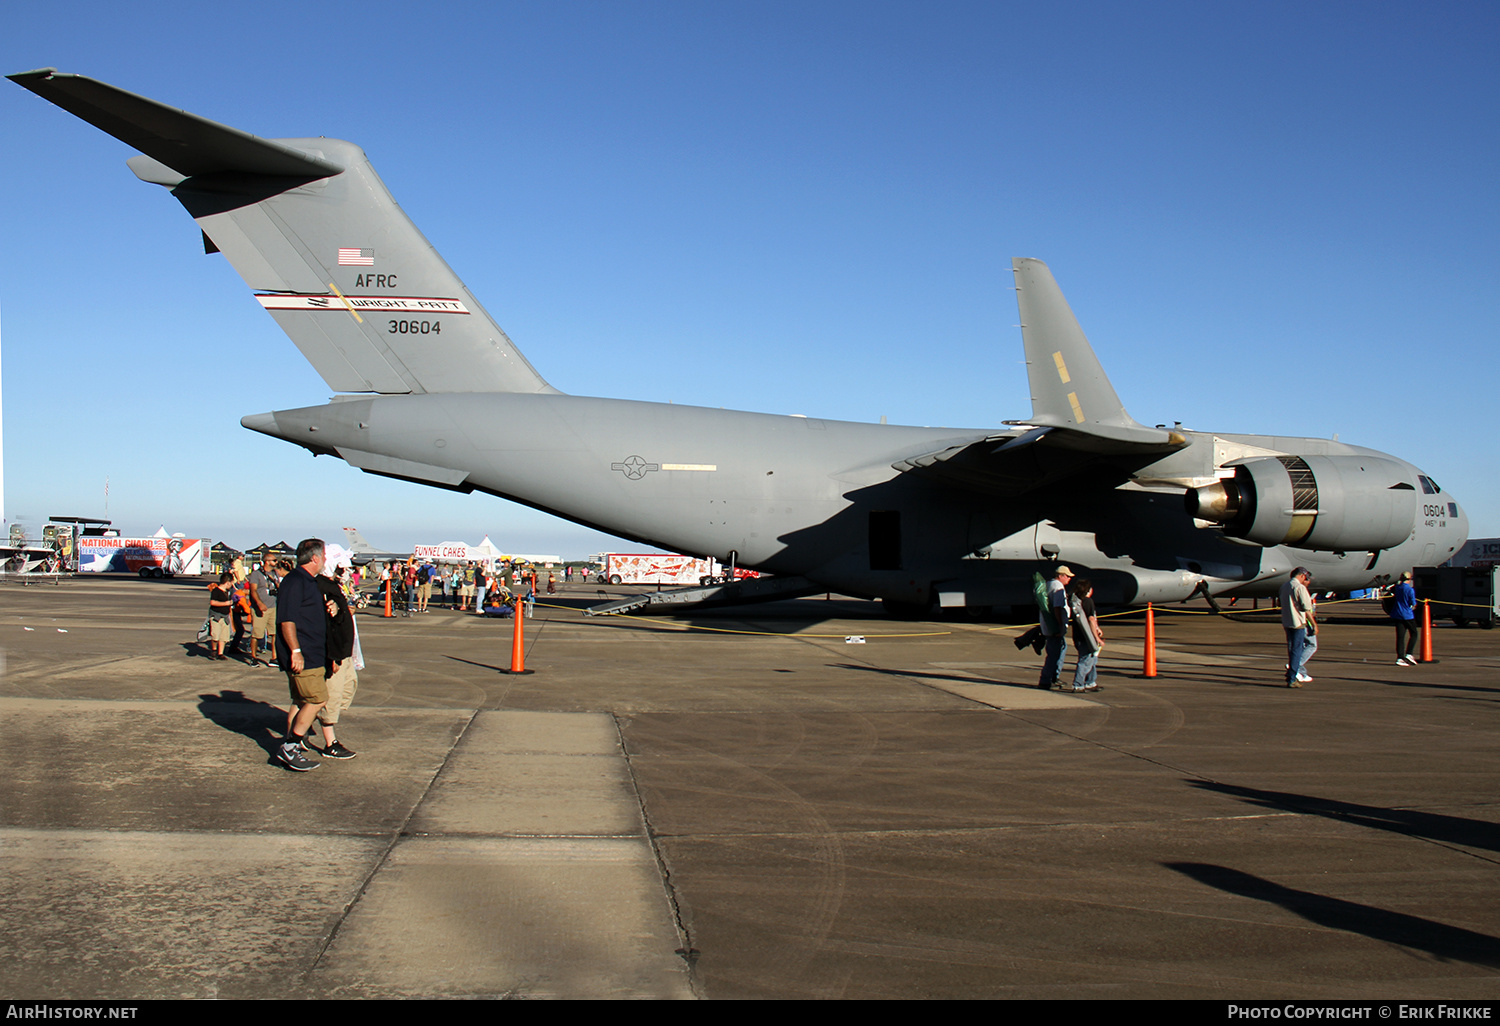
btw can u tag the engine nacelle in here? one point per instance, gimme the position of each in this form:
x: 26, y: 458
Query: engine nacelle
x: 1333, y: 503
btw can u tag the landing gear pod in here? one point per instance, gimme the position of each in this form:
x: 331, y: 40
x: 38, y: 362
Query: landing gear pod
x: 1334, y: 503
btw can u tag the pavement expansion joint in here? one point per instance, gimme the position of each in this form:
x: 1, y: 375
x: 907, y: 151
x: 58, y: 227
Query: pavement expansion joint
x: 687, y: 951
x: 395, y: 839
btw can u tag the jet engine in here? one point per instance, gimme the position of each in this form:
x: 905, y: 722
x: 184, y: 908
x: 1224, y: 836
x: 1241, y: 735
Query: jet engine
x: 1333, y: 503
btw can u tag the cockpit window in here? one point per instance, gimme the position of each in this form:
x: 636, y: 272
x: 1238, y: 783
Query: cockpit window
x: 1429, y: 486
x: 1453, y: 510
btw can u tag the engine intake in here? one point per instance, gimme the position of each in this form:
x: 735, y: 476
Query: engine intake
x: 1333, y: 503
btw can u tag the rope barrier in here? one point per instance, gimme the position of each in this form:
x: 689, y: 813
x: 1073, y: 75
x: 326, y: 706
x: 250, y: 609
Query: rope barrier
x: 730, y: 630
x: 1465, y: 605
x: 935, y: 634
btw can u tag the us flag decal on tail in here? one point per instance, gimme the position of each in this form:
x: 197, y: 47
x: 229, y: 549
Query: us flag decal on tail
x: 351, y: 257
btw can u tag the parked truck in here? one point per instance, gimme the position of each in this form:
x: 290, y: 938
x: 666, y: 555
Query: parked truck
x: 1463, y: 594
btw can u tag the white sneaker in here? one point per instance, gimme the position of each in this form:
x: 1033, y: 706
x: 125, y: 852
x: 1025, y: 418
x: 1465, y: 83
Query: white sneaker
x: 1402, y: 662
x: 1303, y: 678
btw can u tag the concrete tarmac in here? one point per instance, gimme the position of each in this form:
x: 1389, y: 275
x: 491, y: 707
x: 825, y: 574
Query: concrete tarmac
x: 744, y: 803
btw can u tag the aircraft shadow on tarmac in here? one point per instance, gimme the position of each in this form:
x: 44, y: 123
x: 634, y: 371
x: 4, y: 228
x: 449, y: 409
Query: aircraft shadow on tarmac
x: 795, y: 613
x: 1029, y: 683
x: 1470, y: 833
x: 783, y: 624
x: 1274, y: 679
x: 928, y: 675
x: 259, y: 721
x: 1198, y: 675
x: 1426, y: 685
x: 1448, y: 943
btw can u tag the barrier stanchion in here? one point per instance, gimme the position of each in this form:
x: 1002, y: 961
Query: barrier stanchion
x: 517, y: 645
x: 1148, y: 669
x: 1426, y: 646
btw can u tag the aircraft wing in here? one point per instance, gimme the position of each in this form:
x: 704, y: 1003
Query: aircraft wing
x: 1010, y: 465
x: 1077, y: 420
x: 18, y: 559
x: 1069, y: 390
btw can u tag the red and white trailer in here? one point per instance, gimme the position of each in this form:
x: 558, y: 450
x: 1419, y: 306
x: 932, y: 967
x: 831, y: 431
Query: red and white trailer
x: 656, y: 568
x: 664, y: 568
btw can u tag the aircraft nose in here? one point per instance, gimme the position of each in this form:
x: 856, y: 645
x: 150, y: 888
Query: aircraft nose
x: 1458, y: 528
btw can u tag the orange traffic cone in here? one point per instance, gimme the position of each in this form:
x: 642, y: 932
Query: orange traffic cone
x: 1149, y: 668
x: 517, y: 645
x: 1426, y: 646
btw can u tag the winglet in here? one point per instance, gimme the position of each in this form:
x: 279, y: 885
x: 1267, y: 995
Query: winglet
x: 1069, y: 388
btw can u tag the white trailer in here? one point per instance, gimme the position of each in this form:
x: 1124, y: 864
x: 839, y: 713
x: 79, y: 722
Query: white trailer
x: 665, y: 568
x: 656, y: 568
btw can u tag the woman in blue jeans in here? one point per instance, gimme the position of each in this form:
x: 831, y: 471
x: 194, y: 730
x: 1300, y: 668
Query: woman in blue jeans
x: 1088, y: 639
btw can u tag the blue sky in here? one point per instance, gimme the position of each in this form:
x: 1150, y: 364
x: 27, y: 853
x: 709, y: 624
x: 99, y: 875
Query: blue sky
x: 1269, y: 217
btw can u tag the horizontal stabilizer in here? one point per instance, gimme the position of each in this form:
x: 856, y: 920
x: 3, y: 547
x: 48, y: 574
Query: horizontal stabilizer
x: 184, y: 142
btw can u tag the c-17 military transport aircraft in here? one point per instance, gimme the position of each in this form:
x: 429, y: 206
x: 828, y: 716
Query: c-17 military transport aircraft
x: 914, y: 516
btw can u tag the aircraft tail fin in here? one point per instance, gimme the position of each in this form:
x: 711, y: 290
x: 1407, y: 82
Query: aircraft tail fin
x: 357, y: 543
x: 312, y: 229
x: 1069, y: 388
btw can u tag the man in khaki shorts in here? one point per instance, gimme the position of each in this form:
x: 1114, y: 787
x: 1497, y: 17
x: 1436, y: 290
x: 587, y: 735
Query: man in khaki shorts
x: 260, y: 612
x: 425, y: 574
x: 301, y: 629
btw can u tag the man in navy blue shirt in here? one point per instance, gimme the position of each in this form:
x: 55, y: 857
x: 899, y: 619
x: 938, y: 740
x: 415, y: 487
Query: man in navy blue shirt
x: 301, y: 629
